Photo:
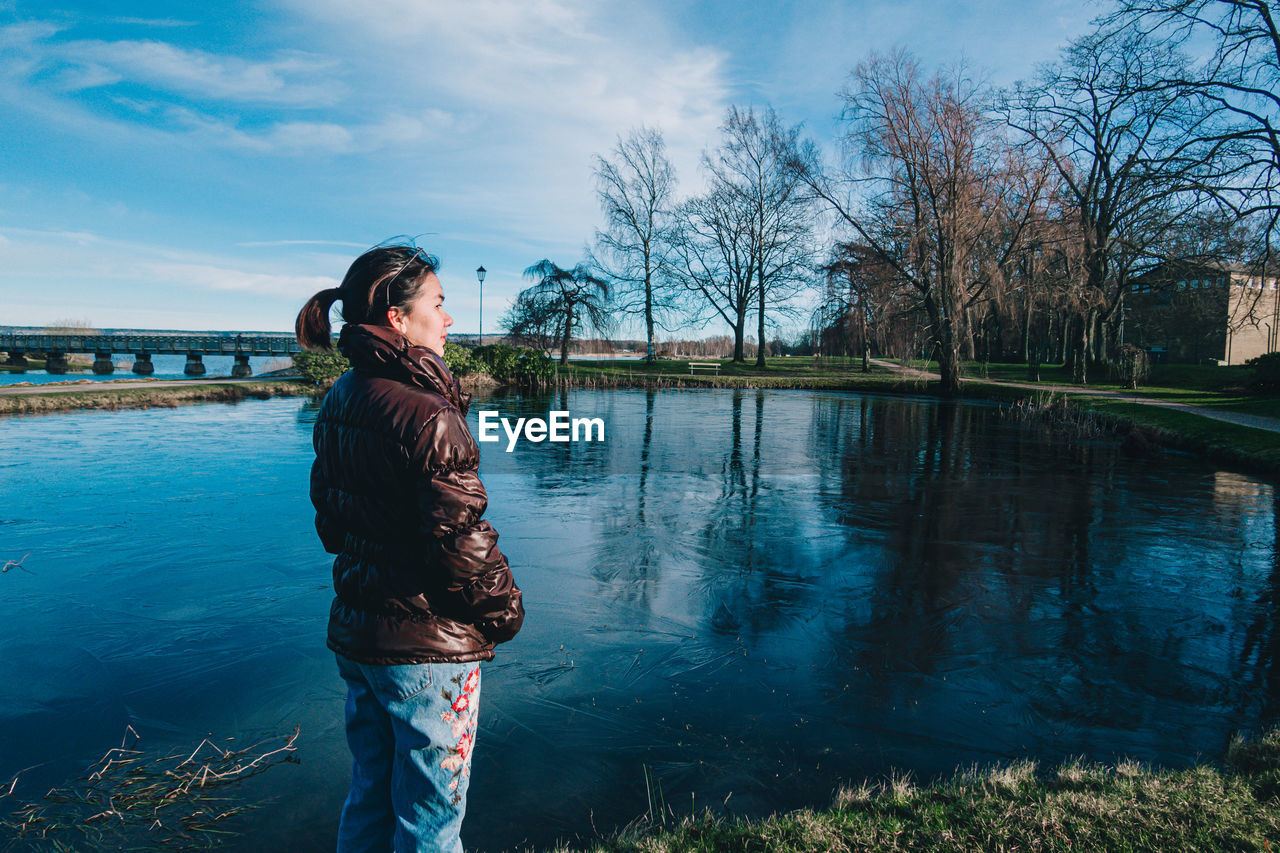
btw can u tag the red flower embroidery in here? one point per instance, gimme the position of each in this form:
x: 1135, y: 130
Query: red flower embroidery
x: 462, y: 721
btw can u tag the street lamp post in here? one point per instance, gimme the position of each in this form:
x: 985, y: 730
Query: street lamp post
x: 480, y: 271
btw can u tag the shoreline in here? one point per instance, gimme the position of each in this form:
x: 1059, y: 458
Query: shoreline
x: 1144, y: 427
x: 1012, y: 805
x: 113, y: 395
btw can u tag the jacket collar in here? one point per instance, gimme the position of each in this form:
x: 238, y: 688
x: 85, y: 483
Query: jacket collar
x: 384, y: 351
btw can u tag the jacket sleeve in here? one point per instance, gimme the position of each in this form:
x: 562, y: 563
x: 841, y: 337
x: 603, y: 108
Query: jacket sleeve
x: 451, y: 501
x: 332, y: 532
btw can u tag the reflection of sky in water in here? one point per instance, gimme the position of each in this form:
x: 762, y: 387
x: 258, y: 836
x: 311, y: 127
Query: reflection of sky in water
x: 760, y: 595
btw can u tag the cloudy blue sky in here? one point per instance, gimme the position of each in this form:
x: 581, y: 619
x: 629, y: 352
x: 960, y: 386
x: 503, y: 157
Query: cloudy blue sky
x: 211, y: 165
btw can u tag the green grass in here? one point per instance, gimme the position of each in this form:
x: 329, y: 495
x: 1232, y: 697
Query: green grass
x: 1219, y: 388
x: 1192, y: 377
x: 1220, y: 441
x: 1013, y: 807
x: 774, y: 366
x: 1211, y: 387
x: 796, y: 372
x: 112, y: 398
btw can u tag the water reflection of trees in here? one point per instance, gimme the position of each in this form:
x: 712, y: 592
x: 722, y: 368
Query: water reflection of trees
x: 703, y: 506
x: 631, y: 555
x: 1259, y: 657
x: 918, y: 551
x: 748, y: 573
x: 1008, y: 572
x: 770, y: 576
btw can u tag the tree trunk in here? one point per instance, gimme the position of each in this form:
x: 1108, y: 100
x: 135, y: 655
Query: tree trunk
x: 564, y: 338
x: 739, y: 330
x: 948, y: 347
x: 970, y: 345
x: 1026, y: 332
x: 1062, y: 353
x: 650, y: 355
x: 949, y: 366
x: 760, y: 339
x: 1083, y: 345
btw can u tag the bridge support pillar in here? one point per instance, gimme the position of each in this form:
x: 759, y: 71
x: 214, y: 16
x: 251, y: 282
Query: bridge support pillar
x: 142, y: 364
x: 56, y: 363
x: 17, y: 358
x: 195, y: 364
x: 241, y: 370
x: 102, y: 363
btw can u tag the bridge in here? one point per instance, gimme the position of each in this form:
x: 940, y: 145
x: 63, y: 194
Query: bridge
x: 55, y: 344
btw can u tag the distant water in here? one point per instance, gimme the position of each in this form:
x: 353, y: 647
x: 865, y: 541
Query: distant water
x: 748, y: 597
x: 167, y: 367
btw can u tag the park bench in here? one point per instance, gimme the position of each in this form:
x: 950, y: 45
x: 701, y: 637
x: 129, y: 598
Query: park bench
x: 695, y: 366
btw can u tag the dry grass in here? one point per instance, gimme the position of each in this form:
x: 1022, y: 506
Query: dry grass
x: 132, y: 800
x: 1055, y: 412
x: 1077, y: 806
x: 111, y: 399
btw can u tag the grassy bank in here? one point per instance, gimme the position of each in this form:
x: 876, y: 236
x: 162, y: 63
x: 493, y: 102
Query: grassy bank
x: 799, y: 373
x: 1143, y: 427
x: 106, y: 397
x: 1014, y: 807
x: 1253, y: 450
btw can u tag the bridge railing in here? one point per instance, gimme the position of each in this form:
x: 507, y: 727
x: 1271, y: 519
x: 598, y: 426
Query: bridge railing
x: 34, y: 339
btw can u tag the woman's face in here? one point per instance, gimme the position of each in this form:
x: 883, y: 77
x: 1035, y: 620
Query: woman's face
x: 425, y: 323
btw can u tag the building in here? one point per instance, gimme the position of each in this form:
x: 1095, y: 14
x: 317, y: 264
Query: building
x: 1203, y: 313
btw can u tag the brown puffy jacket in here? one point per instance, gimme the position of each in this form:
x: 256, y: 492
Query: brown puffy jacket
x: 418, y: 576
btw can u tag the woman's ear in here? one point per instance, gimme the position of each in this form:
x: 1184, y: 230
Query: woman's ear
x: 396, y: 318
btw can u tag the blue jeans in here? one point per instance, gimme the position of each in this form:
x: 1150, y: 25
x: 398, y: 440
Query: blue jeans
x: 411, y: 730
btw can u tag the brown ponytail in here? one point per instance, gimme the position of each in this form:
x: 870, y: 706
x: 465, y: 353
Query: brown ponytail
x: 312, y: 326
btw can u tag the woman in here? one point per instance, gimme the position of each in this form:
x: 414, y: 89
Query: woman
x: 422, y: 592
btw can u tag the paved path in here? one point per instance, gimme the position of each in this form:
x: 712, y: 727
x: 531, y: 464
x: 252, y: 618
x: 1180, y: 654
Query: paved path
x: 1255, y: 421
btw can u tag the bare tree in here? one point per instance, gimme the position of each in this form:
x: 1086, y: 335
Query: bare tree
x: 751, y: 170
x: 1241, y: 76
x: 534, y: 320
x: 575, y: 297
x: 863, y: 305
x: 714, y: 261
x: 926, y: 188
x: 1128, y: 152
x: 636, y: 189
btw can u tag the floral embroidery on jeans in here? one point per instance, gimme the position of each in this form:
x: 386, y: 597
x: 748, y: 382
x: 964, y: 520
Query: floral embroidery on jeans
x: 462, y: 719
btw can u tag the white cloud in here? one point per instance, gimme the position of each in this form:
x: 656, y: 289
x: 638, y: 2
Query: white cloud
x: 291, y: 77
x: 534, y: 90
x: 119, y: 281
x: 153, y: 23
x: 275, y: 243
x: 214, y: 277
